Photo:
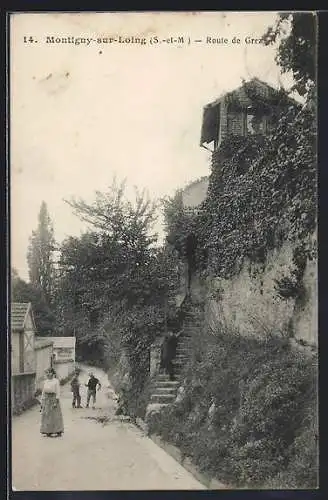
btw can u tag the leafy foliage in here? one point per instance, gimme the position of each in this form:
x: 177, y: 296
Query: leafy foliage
x: 114, y: 215
x: 26, y: 292
x: 265, y: 404
x: 262, y: 191
x: 115, y: 285
x: 40, y: 254
x: 297, y: 48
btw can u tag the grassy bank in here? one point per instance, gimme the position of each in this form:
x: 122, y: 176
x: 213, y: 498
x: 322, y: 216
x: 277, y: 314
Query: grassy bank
x: 133, y: 395
x: 248, y: 415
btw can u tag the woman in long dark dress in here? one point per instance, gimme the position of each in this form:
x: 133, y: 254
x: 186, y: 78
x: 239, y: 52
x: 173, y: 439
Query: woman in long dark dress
x: 51, y: 414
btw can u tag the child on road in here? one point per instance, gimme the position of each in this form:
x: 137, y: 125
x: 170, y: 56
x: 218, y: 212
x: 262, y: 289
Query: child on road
x: 75, y: 388
x: 92, y: 385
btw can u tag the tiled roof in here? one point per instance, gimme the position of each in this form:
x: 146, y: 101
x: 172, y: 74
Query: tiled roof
x: 41, y: 342
x: 18, y: 314
x: 270, y: 91
x: 63, y: 341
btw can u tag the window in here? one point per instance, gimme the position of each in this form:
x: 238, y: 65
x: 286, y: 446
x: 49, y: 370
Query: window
x: 254, y: 124
x: 235, y: 122
x: 250, y: 123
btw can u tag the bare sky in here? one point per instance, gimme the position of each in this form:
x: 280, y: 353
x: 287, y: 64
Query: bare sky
x: 79, y: 116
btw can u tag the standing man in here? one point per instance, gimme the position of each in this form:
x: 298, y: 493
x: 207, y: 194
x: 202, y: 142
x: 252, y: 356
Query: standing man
x: 92, y: 385
x: 75, y: 388
x: 168, y: 353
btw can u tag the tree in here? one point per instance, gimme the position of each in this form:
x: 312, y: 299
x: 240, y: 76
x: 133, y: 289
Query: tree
x: 40, y: 254
x: 27, y: 292
x: 113, y: 214
x: 114, y: 283
x: 297, y: 36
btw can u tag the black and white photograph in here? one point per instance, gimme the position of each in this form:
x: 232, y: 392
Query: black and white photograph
x: 163, y: 300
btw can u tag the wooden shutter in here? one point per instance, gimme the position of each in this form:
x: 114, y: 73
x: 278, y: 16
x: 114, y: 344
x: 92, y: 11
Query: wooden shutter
x: 210, y: 124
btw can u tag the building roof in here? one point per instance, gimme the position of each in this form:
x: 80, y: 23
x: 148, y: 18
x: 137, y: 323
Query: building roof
x: 63, y: 341
x: 19, y: 313
x: 41, y: 342
x: 259, y: 83
x: 250, y: 92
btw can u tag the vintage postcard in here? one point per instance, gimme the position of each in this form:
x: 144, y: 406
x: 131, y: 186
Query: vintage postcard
x: 164, y: 251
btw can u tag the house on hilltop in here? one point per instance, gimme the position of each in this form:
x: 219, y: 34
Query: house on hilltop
x: 250, y: 109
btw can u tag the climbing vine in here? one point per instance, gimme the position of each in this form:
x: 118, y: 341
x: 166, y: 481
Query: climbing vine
x: 262, y: 192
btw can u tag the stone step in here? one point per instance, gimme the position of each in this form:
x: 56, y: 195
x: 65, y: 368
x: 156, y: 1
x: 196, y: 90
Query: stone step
x: 154, y: 407
x: 162, y: 398
x: 165, y: 390
x: 180, y: 361
x: 171, y: 384
x: 162, y: 377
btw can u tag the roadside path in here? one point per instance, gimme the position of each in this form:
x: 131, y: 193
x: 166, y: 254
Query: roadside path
x: 91, y: 456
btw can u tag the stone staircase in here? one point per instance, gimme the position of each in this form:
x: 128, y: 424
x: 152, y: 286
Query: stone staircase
x: 164, y: 391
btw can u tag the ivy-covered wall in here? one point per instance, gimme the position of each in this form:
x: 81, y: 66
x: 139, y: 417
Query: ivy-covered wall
x: 254, y: 252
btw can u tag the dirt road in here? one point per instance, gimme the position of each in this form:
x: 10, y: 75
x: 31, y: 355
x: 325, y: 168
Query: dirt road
x: 91, y: 456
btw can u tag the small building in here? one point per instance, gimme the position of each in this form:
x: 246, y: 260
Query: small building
x: 64, y: 356
x: 23, y: 358
x: 44, y: 358
x: 250, y: 109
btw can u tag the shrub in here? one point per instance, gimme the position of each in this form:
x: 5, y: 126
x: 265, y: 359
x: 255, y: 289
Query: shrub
x: 263, y: 428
